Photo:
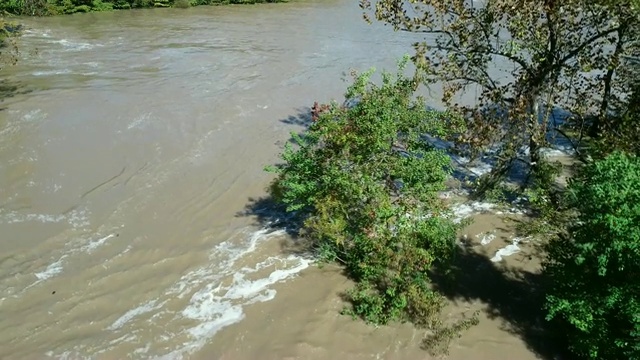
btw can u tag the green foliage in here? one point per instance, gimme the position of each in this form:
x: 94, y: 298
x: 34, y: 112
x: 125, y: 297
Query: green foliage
x: 552, y: 49
x: 621, y: 130
x: 594, y: 292
x: 161, y: 3
x: 11, y: 6
x: 182, y: 4
x: 58, y: 7
x: 365, y: 183
x: 549, y: 211
x: 9, y: 31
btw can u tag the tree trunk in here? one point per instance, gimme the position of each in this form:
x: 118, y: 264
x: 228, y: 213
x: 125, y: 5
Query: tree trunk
x: 534, y: 153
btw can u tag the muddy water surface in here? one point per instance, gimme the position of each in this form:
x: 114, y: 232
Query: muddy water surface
x: 124, y: 170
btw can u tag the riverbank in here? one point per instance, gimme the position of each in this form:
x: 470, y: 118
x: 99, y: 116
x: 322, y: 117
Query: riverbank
x: 58, y: 7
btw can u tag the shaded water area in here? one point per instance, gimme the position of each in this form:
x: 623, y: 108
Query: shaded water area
x: 125, y: 166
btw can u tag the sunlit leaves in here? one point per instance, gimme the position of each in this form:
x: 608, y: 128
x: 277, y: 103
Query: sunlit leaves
x: 365, y: 182
x: 594, y: 289
x: 555, y: 50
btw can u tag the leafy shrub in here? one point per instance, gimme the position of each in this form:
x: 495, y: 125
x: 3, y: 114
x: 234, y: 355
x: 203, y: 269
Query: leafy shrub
x: 10, y: 6
x: 121, y: 4
x: 181, y: 4
x: 365, y: 183
x: 8, y: 50
x: 99, y: 5
x: 594, y: 276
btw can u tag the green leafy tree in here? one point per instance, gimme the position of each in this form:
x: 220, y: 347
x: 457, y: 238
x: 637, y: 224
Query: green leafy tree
x: 621, y: 130
x: 594, y: 292
x: 27, y: 7
x: 552, y: 54
x: 365, y: 184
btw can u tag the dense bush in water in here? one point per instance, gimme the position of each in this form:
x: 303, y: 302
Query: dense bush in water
x: 365, y: 183
x: 8, y: 49
x: 594, y: 290
x: 52, y: 7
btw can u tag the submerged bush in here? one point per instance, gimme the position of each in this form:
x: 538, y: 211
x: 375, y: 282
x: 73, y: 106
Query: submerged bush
x: 365, y: 183
x: 594, y: 275
x: 8, y: 48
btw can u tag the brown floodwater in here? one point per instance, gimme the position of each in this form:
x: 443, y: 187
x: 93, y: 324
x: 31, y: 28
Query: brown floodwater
x: 126, y: 166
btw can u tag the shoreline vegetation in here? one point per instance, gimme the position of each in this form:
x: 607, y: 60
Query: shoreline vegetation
x: 65, y: 7
x: 362, y: 182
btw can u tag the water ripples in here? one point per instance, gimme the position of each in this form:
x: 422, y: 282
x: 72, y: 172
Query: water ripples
x: 123, y: 174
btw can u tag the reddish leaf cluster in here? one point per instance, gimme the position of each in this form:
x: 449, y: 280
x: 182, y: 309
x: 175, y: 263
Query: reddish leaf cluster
x: 318, y: 109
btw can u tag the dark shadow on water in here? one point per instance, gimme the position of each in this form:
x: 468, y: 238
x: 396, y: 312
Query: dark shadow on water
x: 267, y: 213
x: 519, y: 170
x: 9, y: 89
x: 300, y: 122
x: 271, y: 215
x: 509, y: 294
x: 302, y: 118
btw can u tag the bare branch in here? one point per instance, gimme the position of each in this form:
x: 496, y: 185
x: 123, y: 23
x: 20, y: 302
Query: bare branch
x: 586, y: 43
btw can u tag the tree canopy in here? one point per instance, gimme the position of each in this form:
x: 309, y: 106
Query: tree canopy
x: 557, y: 55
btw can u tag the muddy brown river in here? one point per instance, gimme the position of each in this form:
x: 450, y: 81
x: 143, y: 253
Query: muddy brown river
x: 124, y: 170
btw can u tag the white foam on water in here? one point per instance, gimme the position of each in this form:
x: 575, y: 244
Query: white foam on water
x: 75, y: 46
x: 486, y: 238
x: 508, y: 250
x: 77, y: 218
x: 210, y: 297
x: 219, y: 307
x: 34, y: 115
x: 142, y: 309
x: 558, y: 151
x: 485, y: 164
x: 52, y: 270
x: 57, y: 267
x: 18, y: 120
x: 229, y: 252
x: 67, y: 355
x: 476, y: 168
x: 36, y: 32
x: 93, y: 245
x: 462, y: 211
x: 51, y: 72
x: 140, y: 121
x: 15, y: 217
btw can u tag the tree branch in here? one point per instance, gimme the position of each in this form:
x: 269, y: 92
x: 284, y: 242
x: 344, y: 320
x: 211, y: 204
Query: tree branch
x: 511, y: 57
x: 588, y: 42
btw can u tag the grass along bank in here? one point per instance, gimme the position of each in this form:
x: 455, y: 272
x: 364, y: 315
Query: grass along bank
x: 61, y: 7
